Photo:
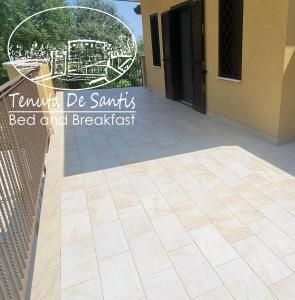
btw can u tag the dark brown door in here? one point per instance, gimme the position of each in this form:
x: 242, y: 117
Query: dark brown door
x: 183, y: 51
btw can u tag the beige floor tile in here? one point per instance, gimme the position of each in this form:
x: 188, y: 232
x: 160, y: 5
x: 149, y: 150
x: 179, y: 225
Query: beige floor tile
x: 172, y: 160
x: 246, y: 191
x: 268, y: 189
x: 72, y: 183
x: 135, y: 221
x: 89, y: 290
x: 230, y: 227
x: 75, y: 227
x: 93, y: 180
x: 273, y: 174
x: 220, y: 293
x: 164, y: 285
x: 256, y: 180
x: 73, y: 202
x: 102, y: 210
x: 125, y: 201
x: 285, y: 200
x: 210, y: 163
x: 151, y: 165
x: 200, y: 154
x: 187, y: 181
x: 155, y: 205
x: 245, y: 212
x: 197, y: 169
x: 121, y: 189
x: 194, y: 270
x: 135, y: 170
x: 95, y: 194
x: 239, y: 169
x: 220, y: 190
x: 110, y: 165
x: 149, y: 254
x: 171, y: 165
x: 219, y: 154
x: 228, y: 177
x: 284, y: 290
x: 172, y: 192
x: 242, y: 282
x: 205, y: 200
x: 274, y: 238
x: 143, y: 186
x: 119, y: 278
x: 189, y: 214
x: 186, y: 160
x: 159, y: 175
x: 208, y: 180
x: 290, y: 261
x: 288, y: 185
x: 109, y: 239
x: 280, y: 217
x: 259, y: 200
x: 78, y: 263
x: 171, y: 232
x: 266, y: 265
x: 116, y: 177
x: 213, y: 245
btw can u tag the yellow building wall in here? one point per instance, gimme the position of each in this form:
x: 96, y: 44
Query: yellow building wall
x: 287, y: 124
x: 255, y: 101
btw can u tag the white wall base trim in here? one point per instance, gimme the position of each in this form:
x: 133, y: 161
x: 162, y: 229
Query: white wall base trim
x: 271, y: 139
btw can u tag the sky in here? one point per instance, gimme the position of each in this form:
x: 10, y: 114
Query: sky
x: 126, y: 10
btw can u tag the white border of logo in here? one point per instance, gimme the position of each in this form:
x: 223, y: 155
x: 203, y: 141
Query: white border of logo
x: 75, y: 7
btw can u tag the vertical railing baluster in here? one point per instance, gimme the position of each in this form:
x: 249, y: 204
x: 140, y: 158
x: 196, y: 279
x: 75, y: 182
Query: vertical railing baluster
x: 22, y: 156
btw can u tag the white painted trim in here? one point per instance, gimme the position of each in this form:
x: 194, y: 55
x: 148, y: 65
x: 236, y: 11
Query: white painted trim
x: 256, y: 132
x: 228, y: 79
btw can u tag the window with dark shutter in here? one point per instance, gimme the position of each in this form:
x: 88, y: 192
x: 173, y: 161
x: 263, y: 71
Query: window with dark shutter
x: 230, y: 38
x: 155, y: 40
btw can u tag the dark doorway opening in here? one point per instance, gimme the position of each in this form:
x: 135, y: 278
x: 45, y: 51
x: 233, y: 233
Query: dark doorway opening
x: 186, y: 50
x: 183, y: 49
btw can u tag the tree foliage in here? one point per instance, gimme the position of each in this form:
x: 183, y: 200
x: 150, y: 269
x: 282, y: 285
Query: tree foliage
x: 12, y: 12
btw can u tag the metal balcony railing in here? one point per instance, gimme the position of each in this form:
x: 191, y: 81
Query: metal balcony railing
x: 22, y: 170
x: 137, y: 76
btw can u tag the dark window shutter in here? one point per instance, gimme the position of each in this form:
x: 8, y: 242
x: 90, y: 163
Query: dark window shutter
x: 166, y: 38
x: 198, y: 67
x: 230, y: 38
x: 155, y: 40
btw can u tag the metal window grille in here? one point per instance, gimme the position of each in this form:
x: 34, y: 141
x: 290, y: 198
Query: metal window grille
x: 230, y: 38
x: 155, y: 40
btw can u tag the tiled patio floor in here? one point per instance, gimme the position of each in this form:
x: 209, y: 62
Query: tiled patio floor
x: 180, y: 206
